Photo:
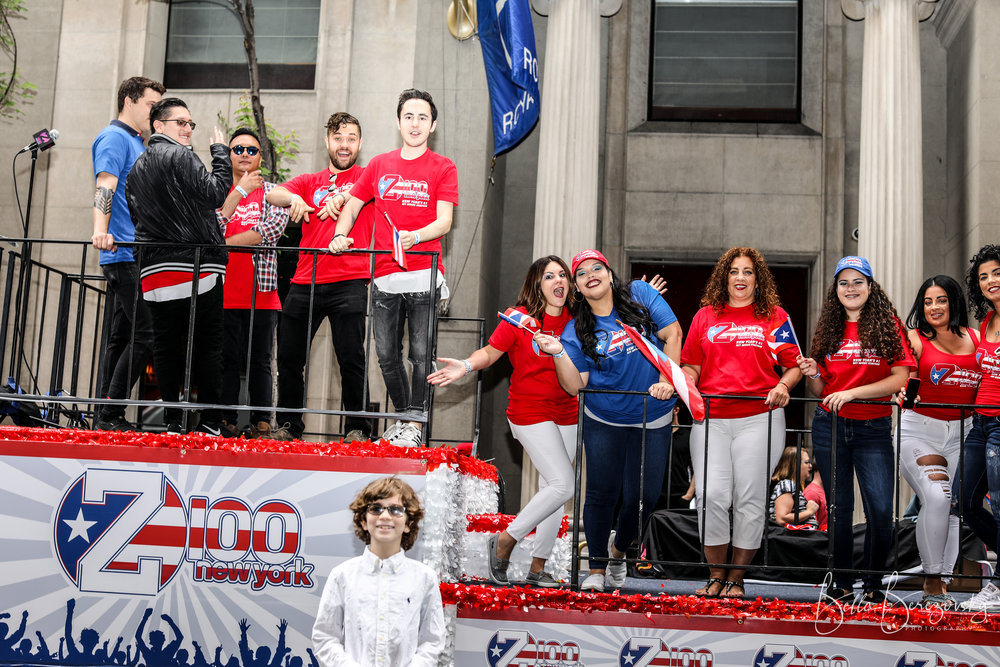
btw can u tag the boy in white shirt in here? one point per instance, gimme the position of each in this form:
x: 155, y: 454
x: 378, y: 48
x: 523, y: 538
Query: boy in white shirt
x: 382, y: 608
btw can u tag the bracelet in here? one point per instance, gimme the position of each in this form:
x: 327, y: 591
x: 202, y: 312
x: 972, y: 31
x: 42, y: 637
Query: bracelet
x: 241, y: 190
x: 815, y: 377
x: 562, y: 353
x: 782, y: 383
x: 336, y: 235
x: 416, y: 238
x: 468, y: 366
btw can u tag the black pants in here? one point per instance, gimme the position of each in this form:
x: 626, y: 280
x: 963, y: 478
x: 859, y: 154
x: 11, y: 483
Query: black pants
x: 125, y: 355
x: 170, y: 343
x: 239, y: 336
x: 345, y: 305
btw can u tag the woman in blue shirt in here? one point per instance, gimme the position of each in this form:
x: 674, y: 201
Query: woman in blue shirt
x: 595, y: 352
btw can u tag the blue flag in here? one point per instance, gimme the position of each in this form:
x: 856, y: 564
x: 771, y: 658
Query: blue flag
x: 508, y: 40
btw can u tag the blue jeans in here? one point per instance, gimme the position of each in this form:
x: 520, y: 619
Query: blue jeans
x: 981, y: 470
x: 614, y: 460
x: 392, y: 311
x: 864, y: 446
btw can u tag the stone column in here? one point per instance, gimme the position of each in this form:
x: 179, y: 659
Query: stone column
x: 566, y: 195
x: 890, y: 196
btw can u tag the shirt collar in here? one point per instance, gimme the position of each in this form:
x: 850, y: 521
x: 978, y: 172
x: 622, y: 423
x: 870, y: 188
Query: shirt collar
x: 125, y: 126
x: 373, y: 563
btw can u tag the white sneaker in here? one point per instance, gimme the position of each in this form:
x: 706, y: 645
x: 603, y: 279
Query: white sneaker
x: 987, y: 600
x: 392, y: 432
x: 615, y: 576
x: 594, y: 582
x: 408, y: 436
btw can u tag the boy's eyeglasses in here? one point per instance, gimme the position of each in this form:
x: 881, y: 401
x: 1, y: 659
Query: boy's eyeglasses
x: 376, y: 509
x: 250, y: 150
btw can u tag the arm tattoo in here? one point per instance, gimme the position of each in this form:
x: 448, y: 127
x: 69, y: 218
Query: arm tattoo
x: 102, y: 199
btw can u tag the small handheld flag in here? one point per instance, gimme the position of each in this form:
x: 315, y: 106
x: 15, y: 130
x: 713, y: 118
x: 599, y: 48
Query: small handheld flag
x: 783, y: 338
x: 398, y: 254
x: 683, y: 384
x: 520, y: 320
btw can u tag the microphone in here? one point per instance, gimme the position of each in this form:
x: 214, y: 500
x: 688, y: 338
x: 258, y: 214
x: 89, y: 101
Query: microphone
x: 42, y: 140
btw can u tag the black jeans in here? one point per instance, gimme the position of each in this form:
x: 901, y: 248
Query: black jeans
x: 344, y: 304
x: 391, y: 312
x: 239, y: 335
x: 124, y: 355
x: 170, y: 343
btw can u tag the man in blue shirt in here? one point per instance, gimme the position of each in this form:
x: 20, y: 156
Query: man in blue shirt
x: 114, y: 151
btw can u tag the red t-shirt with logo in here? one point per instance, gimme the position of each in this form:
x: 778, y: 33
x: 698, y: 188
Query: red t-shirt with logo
x: 408, y: 192
x: 945, y: 378
x: 315, y: 190
x: 535, y: 393
x: 850, y: 367
x: 238, y: 288
x: 988, y: 356
x: 735, y: 358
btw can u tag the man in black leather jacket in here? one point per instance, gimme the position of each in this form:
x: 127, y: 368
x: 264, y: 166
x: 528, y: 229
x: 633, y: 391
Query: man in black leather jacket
x: 172, y: 199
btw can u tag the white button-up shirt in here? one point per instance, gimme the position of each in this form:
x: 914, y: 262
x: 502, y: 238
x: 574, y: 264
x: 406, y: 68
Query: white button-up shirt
x: 380, y: 613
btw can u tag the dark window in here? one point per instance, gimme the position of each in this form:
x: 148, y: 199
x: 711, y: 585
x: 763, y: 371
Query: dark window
x: 726, y: 60
x: 205, y: 45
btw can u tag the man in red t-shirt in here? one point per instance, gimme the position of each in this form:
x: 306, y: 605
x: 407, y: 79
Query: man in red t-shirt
x: 327, y: 286
x: 413, y: 190
x: 250, y: 293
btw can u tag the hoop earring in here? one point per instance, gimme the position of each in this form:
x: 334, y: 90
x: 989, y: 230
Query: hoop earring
x: 577, y: 296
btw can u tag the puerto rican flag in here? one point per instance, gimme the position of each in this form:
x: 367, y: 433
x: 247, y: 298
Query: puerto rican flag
x: 783, y: 338
x: 683, y: 384
x: 520, y: 319
x: 398, y: 254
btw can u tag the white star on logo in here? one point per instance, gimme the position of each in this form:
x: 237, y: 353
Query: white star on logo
x: 784, y: 334
x: 78, y: 527
x: 495, y: 651
x: 762, y: 663
x: 629, y: 658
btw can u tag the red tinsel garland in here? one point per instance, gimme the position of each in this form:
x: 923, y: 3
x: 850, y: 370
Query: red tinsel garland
x: 495, y: 523
x: 892, y: 618
x: 435, y: 456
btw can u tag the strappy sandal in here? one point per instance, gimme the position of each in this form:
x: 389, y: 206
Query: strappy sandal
x: 730, y: 585
x: 708, y: 587
x: 498, y: 566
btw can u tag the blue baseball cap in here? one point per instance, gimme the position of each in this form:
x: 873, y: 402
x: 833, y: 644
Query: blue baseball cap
x: 859, y: 264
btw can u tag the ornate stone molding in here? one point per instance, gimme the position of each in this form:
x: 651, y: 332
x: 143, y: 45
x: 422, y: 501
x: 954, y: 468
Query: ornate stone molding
x: 950, y: 18
x: 855, y: 9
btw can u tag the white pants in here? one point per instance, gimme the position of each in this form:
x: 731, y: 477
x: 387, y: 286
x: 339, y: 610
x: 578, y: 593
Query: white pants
x: 738, y: 470
x: 937, y: 527
x: 551, y: 448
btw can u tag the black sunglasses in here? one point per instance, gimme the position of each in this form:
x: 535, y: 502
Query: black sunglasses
x: 250, y: 150
x: 376, y: 509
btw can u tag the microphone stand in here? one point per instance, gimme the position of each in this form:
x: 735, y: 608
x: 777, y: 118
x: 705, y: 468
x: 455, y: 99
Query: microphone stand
x: 24, y: 286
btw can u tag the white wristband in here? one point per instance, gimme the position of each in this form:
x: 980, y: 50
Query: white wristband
x: 468, y: 366
x: 416, y: 238
x: 562, y: 353
x: 241, y: 190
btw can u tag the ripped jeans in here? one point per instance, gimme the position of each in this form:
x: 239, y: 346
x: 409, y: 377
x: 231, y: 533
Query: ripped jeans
x: 981, y: 472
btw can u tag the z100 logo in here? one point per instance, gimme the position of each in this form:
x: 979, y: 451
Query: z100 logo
x: 928, y: 659
x: 128, y: 531
x: 642, y: 651
x: 779, y: 655
x: 517, y: 648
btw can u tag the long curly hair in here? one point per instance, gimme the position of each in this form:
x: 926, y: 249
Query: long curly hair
x: 630, y: 312
x: 879, y: 325
x: 958, y: 312
x: 980, y: 304
x: 716, y: 292
x: 530, y: 297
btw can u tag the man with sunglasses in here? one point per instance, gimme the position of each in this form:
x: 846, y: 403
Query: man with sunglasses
x: 250, y: 295
x: 172, y: 199
x: 325, y: 286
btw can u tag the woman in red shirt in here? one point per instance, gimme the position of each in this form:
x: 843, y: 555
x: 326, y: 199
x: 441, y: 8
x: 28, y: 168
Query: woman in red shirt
x: 981, y: 464
x: 859, y: 352
x: 731, y: 349
x: 542, y: 416
x: 930, y: 438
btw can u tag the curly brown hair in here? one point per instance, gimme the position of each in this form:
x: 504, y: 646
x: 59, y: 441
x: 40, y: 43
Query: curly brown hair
x: 879, y: 326
x: 765, y: 298
x: 530, y: 297
x: 387, y: 487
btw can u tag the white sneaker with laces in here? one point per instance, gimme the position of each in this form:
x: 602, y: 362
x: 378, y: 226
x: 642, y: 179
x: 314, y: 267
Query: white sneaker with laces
x: 987, y: 600
x: 408, y: 436
x: 594, y: 582
x: 392, y: 432
x: 615, y: 575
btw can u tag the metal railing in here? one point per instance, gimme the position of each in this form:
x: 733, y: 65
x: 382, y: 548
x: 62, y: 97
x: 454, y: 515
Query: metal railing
x: 55, y: 323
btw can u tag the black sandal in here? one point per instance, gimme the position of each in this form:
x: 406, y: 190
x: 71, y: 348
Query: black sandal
x: 708, y: 586
x: 730, y: 585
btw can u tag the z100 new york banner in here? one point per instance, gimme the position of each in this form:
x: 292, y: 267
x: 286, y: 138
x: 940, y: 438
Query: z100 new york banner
x: 129, y: 555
